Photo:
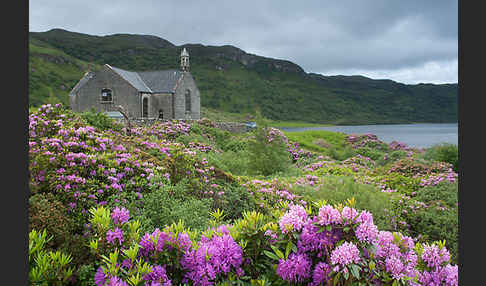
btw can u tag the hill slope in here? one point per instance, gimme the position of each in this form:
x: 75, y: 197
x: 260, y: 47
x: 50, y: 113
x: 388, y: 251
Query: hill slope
x: 234, y: 81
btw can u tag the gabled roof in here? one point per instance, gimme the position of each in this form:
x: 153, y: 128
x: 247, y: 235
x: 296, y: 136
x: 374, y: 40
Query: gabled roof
x: 133, y: 78
x: 162, y: 81
x: 82, y: 82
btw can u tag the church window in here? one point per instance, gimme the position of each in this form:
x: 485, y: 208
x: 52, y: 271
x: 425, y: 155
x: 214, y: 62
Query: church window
x: 106, y: 95
x: 188, y: 100
x: 145, y: 107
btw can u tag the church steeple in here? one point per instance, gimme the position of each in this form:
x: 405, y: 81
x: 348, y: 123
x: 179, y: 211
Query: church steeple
x: 184, y: 60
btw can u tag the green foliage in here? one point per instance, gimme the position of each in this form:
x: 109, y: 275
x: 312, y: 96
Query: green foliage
x: 444, y: 152
x: 311, y: 140
x: 341, y: 153
x: 370, y: 152
x: 337, y: 190
x: 85, y: 275
x: 47, y: 267
x: 169, y: 204
x: 46, y: 212
x: 267, y: 156
x: 234, y: 162
x: 236, y: 200
x: 431, y: 215
x: 100, y: 120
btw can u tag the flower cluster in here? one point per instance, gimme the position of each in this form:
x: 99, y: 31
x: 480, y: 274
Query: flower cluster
x: 293, y: 220
x: 212, y: 258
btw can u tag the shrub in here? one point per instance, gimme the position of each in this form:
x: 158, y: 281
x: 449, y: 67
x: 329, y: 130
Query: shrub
x: 234, y: 162
x: 337, y: 190
x: 100, y: 120
x: 370, y: 153
x: 444, y: 152
x: 45, y: 212
x: 440, y: 219
x: 235, y: 201
x: 341, y: 153
x: 169, y: 204
x: 268, y: 152
x: 47, y: 267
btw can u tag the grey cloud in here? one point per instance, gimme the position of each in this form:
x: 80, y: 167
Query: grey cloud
x: 319, y: 36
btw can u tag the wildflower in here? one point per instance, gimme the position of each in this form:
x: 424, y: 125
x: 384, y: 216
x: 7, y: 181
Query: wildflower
x: 295, y: 269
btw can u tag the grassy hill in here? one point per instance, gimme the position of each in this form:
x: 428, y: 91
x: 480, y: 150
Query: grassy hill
x: 232, y: 80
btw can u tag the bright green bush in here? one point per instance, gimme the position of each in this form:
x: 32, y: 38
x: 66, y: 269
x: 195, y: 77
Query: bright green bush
x: 169, y: 204
x: 100, y: 120
x: 370, y: 153
x: 235, y: 201
x: 47, y: 267
x: 341, y: 153
x: 337, y: 190
x: 444, y: 152
x: 267, y: 156
x: 234, y: 162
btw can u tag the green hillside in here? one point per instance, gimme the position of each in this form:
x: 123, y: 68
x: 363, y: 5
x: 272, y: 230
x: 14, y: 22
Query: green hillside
x: 52, y: 73
x: 232, y: 80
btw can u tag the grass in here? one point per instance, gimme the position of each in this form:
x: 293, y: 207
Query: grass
x: 317, y: 140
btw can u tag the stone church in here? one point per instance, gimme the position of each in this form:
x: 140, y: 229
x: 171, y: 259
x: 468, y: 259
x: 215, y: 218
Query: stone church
x: 163, y: 94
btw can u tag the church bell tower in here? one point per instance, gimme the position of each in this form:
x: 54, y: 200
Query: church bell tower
x: 184, y: 60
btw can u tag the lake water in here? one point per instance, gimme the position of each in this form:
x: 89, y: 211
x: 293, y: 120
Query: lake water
x: 414, y: 135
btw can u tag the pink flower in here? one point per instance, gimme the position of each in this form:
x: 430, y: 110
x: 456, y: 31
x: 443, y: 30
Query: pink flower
x: 329, y: 215
x: 345, y: 254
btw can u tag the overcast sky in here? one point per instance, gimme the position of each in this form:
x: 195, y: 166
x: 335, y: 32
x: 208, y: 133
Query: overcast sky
x: 404, y: 40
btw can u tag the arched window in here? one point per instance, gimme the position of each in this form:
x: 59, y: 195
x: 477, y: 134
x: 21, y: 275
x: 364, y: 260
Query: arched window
x: 161, y: 114
x: 106, y: 95
x: 188, y: 100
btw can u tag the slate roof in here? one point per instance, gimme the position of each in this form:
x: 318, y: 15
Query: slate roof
x: 82, y: 82
x: 163, y: 81
x: 133, y: 78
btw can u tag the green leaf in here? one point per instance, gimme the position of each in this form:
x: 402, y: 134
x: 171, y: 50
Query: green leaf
x: 355, y: 270
x: 271, y: 255
x: 277, y: 251
x: 288, y: 249
x: 346, y: 275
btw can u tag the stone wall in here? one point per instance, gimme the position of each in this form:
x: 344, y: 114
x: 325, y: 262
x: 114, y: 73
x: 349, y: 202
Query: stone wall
x: 233, y: 127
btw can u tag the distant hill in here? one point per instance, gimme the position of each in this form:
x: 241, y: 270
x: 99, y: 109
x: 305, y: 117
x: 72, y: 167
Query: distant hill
x: 235, y: 81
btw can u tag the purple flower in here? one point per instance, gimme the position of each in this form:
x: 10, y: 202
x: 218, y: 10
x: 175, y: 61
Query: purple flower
x: 349, y: 214
x: 366, y: 232
x: 120, y: 215
x: 320, y: 274
x: 345, y: 254
x: 218, y: 255
x: 116, y: 234
x: 295, y: 217
x: 100, y: 277
x: 329, y: 215
x: 158, y: 276
x: 295, y: 269
x: 115, y: 281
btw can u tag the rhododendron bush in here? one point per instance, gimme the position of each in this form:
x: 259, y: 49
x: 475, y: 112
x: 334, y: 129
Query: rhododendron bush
x: 99, y: 188
x: 316, y: 246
